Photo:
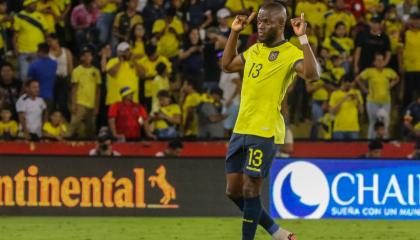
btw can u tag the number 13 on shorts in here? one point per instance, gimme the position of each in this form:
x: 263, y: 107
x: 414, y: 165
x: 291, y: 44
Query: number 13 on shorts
x: 255, y: 160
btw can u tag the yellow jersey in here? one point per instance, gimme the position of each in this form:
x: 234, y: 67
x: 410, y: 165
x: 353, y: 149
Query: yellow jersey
x: 28, y: 35
x: 49, y: 17
x: 379, y: 84
x: 314, y: 12
x: 337, y: 74
x: 346, y: 43
x: 87, y: 79
x: 347, y: 117
x: 191, y: 101
x: 171, y: 110
x: 107, y: 6
x: 168, y: 44
x: 411, y: 56
x: 321, y: 94
x: 3, y: 27
x: 136, y: 19
x: 393, y: 29
x: 333, y: 17
x: 268, y: 72
x: 158, y: 84
x: 126, y: 77
x: 137, y: 48
x: 10, y: 127
x: 57, y: 131
x: 149, y: 67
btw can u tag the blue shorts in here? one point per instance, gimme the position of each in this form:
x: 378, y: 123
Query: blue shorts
x: 250, y: 155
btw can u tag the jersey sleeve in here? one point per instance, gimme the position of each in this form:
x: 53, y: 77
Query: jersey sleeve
x: 111, y: 63
x: 296, y: 57
x: 333, y: 100
x: 20, y: 105
x: 158, y: 26
x: 365, y: 74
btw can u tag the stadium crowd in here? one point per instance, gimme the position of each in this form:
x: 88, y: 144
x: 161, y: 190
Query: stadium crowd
x: 149, y: 69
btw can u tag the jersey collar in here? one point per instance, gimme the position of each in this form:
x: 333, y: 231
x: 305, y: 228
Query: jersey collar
x: 277, y: 44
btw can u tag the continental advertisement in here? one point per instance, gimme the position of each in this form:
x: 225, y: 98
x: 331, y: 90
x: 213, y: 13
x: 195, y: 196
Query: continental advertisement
x: 78, y: 186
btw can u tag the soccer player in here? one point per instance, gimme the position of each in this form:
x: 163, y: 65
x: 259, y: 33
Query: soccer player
x: 269, y: 68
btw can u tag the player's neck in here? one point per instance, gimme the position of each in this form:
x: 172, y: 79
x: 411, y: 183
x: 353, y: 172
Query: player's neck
x: 279, y: 41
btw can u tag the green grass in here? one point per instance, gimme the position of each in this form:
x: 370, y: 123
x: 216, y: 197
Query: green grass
x: 130, y: 228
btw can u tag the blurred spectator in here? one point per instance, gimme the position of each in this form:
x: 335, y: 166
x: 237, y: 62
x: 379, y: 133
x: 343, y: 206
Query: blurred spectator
x: 375, y: 150
x: 380, y: 81
x: 338, y: 14
x: 149, y: 63
x: 168, y: 32
x: 32, y: 111
x: 230, y: 83
x: 160, y: 82
x: 405, y: 9
x: 167, y: 118
x: 29, y: 29
x: 380, y: 130
x: 337, y: 70
x: 314, y: 13
x: 83, y: 19
x: 216, y: 38
x: 86, y: 80
x: 197, y: 14
x: 104, y: 144
x: 174, y: 149
x: 412, y: 120
x: 416, y: 153
x: 127, y: 118
x: 64, y: 59
x: 411, y: 59
x: 51, y: 12
x: 107, y: 8
x: 210, y: 116
x: 10, y: 87
x: 137, y: 41
x: 339, y: 44
x: 44, y: 71
x: 190, y: 99
x: 8, y: 126
x: 346, y: 103
x: 393, y: 28
x: 319, y: 91
x: 222, y: 20
x: 125, y: 21
x: 191, y: 55
x: 369, y: 43
x: 153, y: 11
x: 55, y: 129
x: 123, y: 71
x: 5, y: 25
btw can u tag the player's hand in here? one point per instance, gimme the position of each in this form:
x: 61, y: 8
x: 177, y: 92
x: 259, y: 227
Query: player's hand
x: 299, y: 25
x: 241, y: 21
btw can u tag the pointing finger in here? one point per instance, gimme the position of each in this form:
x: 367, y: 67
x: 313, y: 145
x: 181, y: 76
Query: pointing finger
x: 302, y: 16
x: 251, y: 17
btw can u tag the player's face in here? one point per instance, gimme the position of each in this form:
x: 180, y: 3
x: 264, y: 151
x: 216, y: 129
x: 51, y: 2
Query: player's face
x: 267, y: 28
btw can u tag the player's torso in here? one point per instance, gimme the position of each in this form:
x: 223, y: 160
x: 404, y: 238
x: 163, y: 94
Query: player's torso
x: 268, y: 73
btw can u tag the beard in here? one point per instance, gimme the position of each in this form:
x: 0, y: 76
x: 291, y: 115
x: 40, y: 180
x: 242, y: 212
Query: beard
x: 269, y: 38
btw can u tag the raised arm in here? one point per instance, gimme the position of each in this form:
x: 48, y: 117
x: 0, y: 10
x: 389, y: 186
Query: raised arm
x: 231, y: 61
x: 308, y: 69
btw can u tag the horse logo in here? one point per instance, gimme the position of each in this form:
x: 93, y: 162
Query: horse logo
x: 167, y: 189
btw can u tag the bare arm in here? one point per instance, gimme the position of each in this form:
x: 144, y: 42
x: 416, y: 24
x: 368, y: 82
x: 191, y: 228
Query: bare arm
x: 361, y: 85
x: 22, y: 120
x: 74, y: 97
x: 357, y: 59
x: 111, y: 122
x: 308, y: 69
x: 231, y: 61
x: 394, y: 82
x: 97, y: 99
x: 70, y: 65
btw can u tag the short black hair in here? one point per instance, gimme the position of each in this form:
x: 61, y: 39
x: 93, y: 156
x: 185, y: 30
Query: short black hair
x: 160, y: 68
x: 30, y: 81
x: 375, y: 145
x: 7, y: 64
x: 150, y: 49
x: 53, y: 36
x: 379, y: 124
x: 175, y: 144
x: 44, y: 48
x: 171, y: 12
x: 338, y: 24
x: 54, y: 111
x: 415, y: 16
x: 163, y: 93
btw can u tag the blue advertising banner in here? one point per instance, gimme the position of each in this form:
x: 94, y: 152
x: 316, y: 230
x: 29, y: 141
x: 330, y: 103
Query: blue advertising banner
x: 337, y: 188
